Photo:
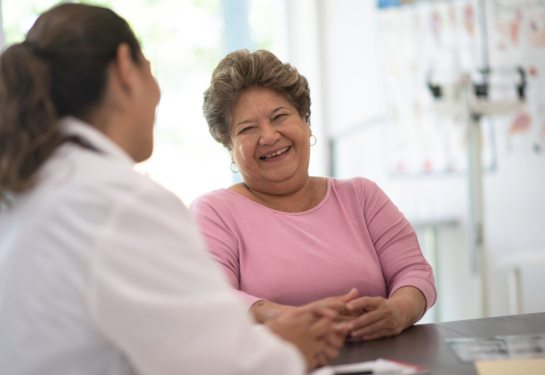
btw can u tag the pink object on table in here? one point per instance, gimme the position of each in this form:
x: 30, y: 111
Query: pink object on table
x: 356, y: 237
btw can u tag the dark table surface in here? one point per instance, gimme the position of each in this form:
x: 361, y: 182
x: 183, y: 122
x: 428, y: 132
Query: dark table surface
x: 425, y: 344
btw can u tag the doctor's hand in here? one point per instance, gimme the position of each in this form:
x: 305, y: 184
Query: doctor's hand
x: 264, y: 310
x: 335, y: 339
x: 380, y: 317
x: 313, y: 331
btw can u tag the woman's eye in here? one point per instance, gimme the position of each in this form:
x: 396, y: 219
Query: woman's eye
x: 279, y: 116
x: 245, y: 130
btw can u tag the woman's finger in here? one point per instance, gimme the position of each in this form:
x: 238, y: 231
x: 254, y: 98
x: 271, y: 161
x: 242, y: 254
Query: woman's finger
x: 343, y: 314
x: 318, y: 309
x: 343, y: 328
x: 367, y: 319
x: 364, y: 303
x: 341, y: 318
x: 334, y: 304
x: 378, y: 335
x: 370, y: 329
x: 390, y: 324
x: 337, y: 305
x: 353, y: 294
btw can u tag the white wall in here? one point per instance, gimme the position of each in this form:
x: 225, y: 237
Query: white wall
x: 515, y: 214
x: 350, y: 91
x: 304, y: 29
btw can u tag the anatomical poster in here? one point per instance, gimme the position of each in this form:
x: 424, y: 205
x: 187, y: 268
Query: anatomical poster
x: 516, y: 37
x: 421, y: 39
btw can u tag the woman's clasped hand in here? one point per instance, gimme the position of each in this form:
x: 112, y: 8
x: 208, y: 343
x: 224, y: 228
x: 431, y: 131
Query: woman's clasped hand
x: 366, y: 318
x: 379, y: 317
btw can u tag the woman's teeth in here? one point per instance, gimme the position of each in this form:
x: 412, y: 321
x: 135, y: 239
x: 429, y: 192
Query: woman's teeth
x: 276, y: 153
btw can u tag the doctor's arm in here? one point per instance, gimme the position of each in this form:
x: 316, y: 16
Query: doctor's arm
x: 157, y: 296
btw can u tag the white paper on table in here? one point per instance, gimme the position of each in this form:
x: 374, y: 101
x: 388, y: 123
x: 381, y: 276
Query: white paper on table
x: 380, y: 366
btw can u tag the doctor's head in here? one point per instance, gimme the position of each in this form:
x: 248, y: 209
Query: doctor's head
x: 77, y: 60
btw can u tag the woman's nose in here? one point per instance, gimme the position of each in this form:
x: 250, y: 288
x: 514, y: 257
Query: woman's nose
x: 269, y: 135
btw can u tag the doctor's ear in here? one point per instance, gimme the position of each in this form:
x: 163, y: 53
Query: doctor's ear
x: 125, y: 69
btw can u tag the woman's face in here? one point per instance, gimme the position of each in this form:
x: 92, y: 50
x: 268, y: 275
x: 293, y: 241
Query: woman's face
x: 270, y: 141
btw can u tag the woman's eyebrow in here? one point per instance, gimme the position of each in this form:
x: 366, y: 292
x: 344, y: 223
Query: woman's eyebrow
x: 272, y: 112
x: 242, y: 122
x: 277, y: 109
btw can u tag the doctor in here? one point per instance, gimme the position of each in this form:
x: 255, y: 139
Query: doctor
x: 101, y: 270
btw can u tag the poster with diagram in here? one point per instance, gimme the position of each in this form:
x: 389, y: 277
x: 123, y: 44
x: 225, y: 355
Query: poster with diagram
x: 445, y: 38
x: 422, y: 38
x: 516, y: 37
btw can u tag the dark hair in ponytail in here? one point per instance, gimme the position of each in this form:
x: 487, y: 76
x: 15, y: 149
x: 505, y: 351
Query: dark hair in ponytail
x: 60, y: 69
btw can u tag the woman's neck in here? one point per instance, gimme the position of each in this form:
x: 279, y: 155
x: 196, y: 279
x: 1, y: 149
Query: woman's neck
x: 301, y: 199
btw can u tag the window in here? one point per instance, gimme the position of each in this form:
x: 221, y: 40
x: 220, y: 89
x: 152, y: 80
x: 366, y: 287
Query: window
x: 184, y: 41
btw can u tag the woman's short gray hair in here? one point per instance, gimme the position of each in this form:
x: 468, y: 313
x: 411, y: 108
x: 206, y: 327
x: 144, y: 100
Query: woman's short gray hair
x: 240, y: 70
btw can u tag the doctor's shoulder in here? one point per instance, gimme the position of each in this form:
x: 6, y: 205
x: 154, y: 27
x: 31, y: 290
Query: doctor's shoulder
x: 93, y: 180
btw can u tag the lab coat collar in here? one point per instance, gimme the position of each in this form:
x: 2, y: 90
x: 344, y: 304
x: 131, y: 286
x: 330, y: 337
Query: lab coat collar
x: 73, y: 126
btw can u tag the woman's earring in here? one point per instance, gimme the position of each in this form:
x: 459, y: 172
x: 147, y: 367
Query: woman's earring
x: 231, y: 167
x: 315, y: 140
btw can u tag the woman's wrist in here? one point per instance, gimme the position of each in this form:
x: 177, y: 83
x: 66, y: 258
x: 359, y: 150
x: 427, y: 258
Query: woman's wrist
x: 265, y: 310
x: 411, y: 304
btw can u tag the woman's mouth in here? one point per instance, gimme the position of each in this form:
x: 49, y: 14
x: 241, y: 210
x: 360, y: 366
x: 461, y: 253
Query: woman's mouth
x: 275, y: 154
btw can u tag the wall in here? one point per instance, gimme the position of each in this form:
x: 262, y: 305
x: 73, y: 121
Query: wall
x: 350, y: 77
x: 304, y: 29
x: 515, y: 213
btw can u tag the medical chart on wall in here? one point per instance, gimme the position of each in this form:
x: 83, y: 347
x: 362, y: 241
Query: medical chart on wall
x: 516, y: 37
x: 445, y: 38
x: 420, y: 38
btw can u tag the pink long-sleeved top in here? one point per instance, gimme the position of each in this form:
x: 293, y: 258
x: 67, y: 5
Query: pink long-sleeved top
x: 356, y: 237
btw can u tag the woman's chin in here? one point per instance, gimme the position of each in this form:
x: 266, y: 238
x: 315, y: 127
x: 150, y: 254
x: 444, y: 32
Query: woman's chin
x: 282, y: 180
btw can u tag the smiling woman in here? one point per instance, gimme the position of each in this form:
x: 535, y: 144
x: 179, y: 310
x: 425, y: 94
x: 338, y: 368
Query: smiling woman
x: 270, y: 145
x: 287, y: 239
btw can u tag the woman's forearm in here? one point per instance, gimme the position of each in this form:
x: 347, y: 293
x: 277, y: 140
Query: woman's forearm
x: 411, y: 303
x: 265, y: 310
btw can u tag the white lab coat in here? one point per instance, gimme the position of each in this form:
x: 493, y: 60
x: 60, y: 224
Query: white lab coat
x: 102, y: 271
